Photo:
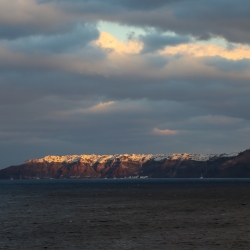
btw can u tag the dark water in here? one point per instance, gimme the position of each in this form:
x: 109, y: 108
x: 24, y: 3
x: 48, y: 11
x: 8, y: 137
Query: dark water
x: 118, y: 183
x: 125, y: 214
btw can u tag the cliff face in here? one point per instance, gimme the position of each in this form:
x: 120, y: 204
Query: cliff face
x: 236, y: 165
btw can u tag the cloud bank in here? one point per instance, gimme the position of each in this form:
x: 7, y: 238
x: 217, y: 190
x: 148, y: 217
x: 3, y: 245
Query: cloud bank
x: 68, y: 87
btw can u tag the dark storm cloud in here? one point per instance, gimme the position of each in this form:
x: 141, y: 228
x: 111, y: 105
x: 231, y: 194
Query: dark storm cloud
x: 155, y: 41
x: 130, y: 4
x: 76, y: 39
x: 8, y: 32
x: 27, y: 19
x: 213, y: 96
x: 146, y: 4
x: 228, y: 65
x: 156, y: 61
x: 199, y: 18
x: 21, y: 30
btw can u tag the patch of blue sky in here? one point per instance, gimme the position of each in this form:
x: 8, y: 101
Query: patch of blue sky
x: 120, y: 32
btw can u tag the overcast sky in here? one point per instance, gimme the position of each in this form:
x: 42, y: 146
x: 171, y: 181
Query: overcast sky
x: 123, y: 76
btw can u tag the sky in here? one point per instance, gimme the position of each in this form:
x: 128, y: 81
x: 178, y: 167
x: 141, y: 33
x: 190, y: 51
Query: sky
x: 123, y: 76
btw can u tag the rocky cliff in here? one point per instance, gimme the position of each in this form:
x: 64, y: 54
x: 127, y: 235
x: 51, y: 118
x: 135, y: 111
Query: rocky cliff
x: 235, y: 165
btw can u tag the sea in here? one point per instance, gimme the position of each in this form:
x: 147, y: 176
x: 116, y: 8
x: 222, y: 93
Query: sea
x: 125, y: 214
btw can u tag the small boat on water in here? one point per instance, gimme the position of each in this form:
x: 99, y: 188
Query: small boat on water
x: 201, y: 177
